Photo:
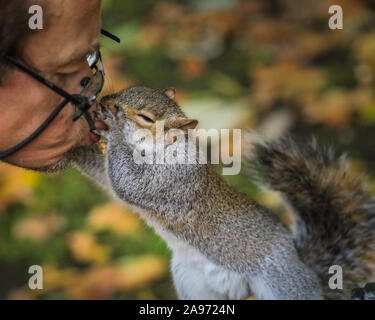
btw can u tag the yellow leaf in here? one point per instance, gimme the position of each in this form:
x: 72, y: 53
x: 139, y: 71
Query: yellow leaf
x: 140, y: 270
x: 115, y: 217
x: 54, y: 278
x: 84, y: 247
x: 38, y: 228
x: 16, y: 184
x: 96, y: 283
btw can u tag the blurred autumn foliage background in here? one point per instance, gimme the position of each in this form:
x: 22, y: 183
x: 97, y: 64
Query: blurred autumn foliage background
x: 272, y: 65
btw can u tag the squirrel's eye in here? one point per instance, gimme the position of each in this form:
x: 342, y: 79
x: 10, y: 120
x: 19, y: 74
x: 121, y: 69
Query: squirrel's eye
x: 145, y: 118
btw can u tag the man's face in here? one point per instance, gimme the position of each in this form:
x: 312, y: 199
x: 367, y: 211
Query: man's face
x: 58, y: 53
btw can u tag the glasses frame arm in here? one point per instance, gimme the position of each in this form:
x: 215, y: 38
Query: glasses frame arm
x: 42, y: 80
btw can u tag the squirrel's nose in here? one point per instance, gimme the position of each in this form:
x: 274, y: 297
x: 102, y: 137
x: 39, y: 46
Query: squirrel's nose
x: 107, y: 99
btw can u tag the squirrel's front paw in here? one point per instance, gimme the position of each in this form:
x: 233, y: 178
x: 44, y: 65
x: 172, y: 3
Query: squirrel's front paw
x: 104, y: 114
x: 111, y: 120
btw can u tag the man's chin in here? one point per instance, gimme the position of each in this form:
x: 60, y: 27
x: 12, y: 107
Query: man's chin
x: 58, y: 166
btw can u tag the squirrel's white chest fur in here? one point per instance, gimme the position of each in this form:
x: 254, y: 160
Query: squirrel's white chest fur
x: 194, y: 275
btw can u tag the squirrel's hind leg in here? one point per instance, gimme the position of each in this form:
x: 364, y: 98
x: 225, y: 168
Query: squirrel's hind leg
x: 290, y: 279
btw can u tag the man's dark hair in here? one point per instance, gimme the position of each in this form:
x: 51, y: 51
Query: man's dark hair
x: 13, y: 29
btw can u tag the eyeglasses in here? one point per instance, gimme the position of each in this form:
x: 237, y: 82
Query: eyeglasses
x: 83, y: 101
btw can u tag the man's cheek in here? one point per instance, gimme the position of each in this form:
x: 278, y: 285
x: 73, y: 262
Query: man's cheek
x: 65, y: 118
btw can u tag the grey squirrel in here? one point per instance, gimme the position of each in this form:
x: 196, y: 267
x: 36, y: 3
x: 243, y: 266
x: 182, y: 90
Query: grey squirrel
x: 225, y: 245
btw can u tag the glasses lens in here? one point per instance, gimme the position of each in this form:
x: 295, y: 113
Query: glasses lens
x: 93, y: 87
x: 91, y: 92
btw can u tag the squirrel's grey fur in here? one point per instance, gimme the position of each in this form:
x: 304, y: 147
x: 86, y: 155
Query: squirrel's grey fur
x: 225, y: 246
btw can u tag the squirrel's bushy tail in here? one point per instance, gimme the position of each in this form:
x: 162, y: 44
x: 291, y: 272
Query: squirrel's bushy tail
x: 335, y: 221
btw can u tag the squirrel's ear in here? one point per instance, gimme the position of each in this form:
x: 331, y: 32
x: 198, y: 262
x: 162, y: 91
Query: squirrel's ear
x: 185, y: 124
x: 170, y: 92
